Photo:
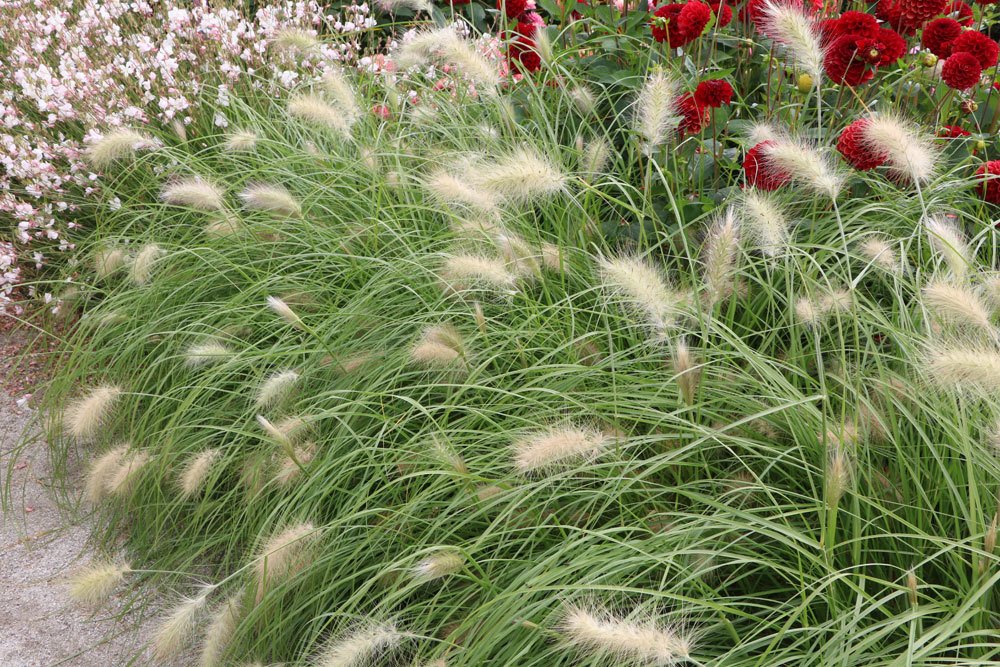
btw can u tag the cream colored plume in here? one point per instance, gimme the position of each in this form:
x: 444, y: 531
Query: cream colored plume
x: 463, y: 272
x: 949, y: 244
x: 909, y: 151
x: 444, y: 46
x: 114, y: 146
x: 85, y: 416
x: 93, y: 585
x: 522, y: 176
x: 362, y: 646
x: 271, y: 198
x: 641, y: 640
x: 957, y: 304
x: 641, y: 285
x: 101, y: 472
x: 314, y: 109
x: 195, y: 471
x: 144, y: 262
x: 789, y: 26
x: 765, y: 222
x: 441, y: 345
x: 439, y: 565
x: 241, y: 141
x: 196, y: 193
x: 656, y: 117
x: 719, y: 257
x: 283, y: 555
x: 556, y: 447
x: 178, y: 627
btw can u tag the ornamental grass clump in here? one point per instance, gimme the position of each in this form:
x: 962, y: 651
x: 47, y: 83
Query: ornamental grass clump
x: 447, y: 372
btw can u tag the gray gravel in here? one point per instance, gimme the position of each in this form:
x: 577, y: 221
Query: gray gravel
x: 39, y: 547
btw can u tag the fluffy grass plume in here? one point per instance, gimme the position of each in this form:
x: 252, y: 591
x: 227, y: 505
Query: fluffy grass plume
x: 949, y: 244
x: 881, y: 253
x: 719, y: 257
x: 439, y: 565
x: 909, y: 151
x: 85, y: 416
x: 276, y: 388
x: 271, y: 198
x: 314, y: 109
x: 593, y: 630
x: 108, y: 261
x: 806, y: 165
x: 963, y: 367
x: 141, y: 270
x: 295, y: 39
x: 656, y: 116
x: 641, y: 285
x: 179, y: 626
x: 101, y: 472
x: 115, y: 146
x: 195, y: 472
x: 283, y: 555
x: 196, y: 193
x: 284, y: 311
x: 443, y: 45
x: 554, y: 447
x: 522, y: 176
x: 341, y: 92
x: 241, y: 141
x: 789, y: 26
x: 765, y: 221
x: 462, y: 272
x: 957, y: 304
x: 453, y: 189
x: 206, y: 353
x: 687, y: 371
x: 359, y: 647
x: 122, y: 481
x: 93, y: 585
x: 221, y: 628
x: 838, y: 473
x: 440, y: 345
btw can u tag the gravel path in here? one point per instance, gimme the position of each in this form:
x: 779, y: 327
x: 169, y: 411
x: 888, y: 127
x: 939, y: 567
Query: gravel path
x: 39, y: 547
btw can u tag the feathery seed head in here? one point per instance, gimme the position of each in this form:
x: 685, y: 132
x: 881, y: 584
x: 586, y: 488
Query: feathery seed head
x: 360, y: 646
x: 342, y: 94
x: 555, y: 447
x: 789, y: 26
x: 440, y: 345
x: 108, y: 261
x: 178, y: 627
x: 295, y: 39
x: 114, y: 146
x: 95, y: 583
x: 880, y: 252
x: 521, y: 177
x: 283, y: 555
x: 439, y: 565
x: 196, y: 193
x: 719, y: 257
x: 196, y: 471
x: 583, y: 99
x: 641, y: 285
x: 206, y: 353
x: 284, y: 311
x: 220, y: 631
x: 100, y: 473
x: 85, y: 416
x: 656, y: 117
x: 806, y: 166
x: 241, y: 141
x: 452, y: 189
x: 464, y: 272
x: 596, y: 156
x: 909, y: 151
x: 271, y: 198
x: 313, y: 109
x: 964, y: 368
x: 122, y: 482
x: 276, y: 388
x: 225, y: 225
x: 443, y: 45
x: 596, y: 631
x: 142, y: 266
x: 838, y: 474
x: 949, y: 243
x: 957, y: 304
x: 687, y: 371
x: 765, y: 221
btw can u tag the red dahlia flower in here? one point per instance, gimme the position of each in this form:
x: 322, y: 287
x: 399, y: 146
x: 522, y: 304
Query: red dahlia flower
x: 515, y: 8
x: 939, y: 35
x: 953, y: 132
x: 914, y: 13
x: 713, y: 93
x: 853, y: 59
x: 989, y: 187
x: 679, y: 24
x: 961, y: 12
x: 907, y: 16
x: 723, y: 13
x: 694, y: 116
x: 982, y: 47
x: 760, y: 172
x: 851, y: 23
x: 856, y: 149
x: 961, y: 71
